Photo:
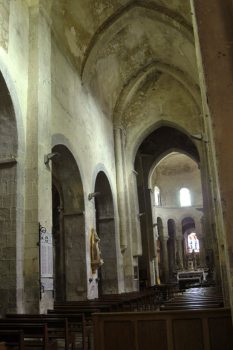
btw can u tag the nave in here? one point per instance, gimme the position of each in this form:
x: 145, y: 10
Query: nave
x: 140, y: 320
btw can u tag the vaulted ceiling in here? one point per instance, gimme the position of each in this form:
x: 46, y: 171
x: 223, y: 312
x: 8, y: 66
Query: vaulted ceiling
x: 111, y: 42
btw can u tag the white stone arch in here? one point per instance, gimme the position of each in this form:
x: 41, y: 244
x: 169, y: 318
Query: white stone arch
x: 107, y: 229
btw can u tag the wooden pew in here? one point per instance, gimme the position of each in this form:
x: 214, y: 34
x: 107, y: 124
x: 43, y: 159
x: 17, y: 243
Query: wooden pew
x: 76, y: 323
x: 115, y: 305
x: 12, y: 339
x: 196, y: 329
x: 2, y: 345
x: 102, y: 308
x: 57, y: 328
x: 35, y: 335
x: 87, y: 312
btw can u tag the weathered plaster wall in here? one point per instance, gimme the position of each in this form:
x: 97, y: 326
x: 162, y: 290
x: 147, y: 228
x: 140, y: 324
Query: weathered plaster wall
x: 15, y: 55
x: 77, y: 119
x: 14, y: 70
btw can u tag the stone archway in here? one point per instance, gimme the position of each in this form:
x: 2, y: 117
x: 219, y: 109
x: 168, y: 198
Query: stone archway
x: 12, y: 150
x: 70, y: 245
x: 105, y: 227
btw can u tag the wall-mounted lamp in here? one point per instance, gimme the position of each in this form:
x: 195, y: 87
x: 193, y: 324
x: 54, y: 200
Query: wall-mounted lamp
x: 51, y: 156
x: 155, y: 224
x: 92, y: 195
x: 97, y: 280
x: 199, y: 137
x: 91, y: 279
x: 139, y: 215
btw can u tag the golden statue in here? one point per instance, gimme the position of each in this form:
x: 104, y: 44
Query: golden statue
x: 96, y: 260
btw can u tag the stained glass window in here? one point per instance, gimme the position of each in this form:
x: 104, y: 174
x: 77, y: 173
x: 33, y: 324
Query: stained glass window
x: 193, y: 243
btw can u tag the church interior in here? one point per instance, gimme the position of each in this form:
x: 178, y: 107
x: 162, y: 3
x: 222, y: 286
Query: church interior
x: 116, y: 168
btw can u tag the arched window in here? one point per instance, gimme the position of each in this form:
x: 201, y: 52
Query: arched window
x: 157, y: 195
x: 185, y: 199
x: 193, y: 243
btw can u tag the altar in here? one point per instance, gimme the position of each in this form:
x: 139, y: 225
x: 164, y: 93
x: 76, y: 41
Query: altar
x: 185, y: 277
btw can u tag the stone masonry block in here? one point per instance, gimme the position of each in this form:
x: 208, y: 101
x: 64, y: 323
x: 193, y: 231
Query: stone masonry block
x: 8, y: 253
x: 9, y: 201
x: 3, y: 239
x: 11, y: 187
x: 3, y: 187
x: 11, y: 240
x: 5, y: 267
x: 4, y: 214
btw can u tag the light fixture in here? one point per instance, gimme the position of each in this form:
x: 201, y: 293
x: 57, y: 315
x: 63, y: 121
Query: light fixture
x: 139, y: 215
x: 155, y: 224
x: 51, y: 156
x: 199, y: 137
x: 92, y: 195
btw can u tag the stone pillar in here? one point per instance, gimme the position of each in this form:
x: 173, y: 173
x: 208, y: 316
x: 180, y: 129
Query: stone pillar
x: 179, y: 240
x: 212, y: 22
x: 121, y: 186
x: 125, y: 193
x: 202, y: 250
x: 38, y: 184
x: 146, y: 222
x: 165, y: 258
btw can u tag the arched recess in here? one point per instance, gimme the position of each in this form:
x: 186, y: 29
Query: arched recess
x: 152, y: 149
x: 69, y: 227
x: 105, y: 227
x: 12, y: 153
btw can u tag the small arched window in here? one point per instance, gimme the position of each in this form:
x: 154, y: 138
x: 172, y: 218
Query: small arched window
x: 193, y: 243
x: 185, y: 199
x: 157, y: 195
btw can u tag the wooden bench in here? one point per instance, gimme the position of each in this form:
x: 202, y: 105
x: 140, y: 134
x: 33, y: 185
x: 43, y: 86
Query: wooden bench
x: 102, y: 308
x: 35, y: 335
x: 12, y: 339
x: 57, y: 328
x: 196, y: 329
x: 2, y: 346
x: 76, y: 323
x: 115, y: 305
x: 87, y: 312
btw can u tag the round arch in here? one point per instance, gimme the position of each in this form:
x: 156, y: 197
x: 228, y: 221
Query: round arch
x: 165, y: 154
x: 12, y: 153
x: 105, y: 227
x: 69, y: 226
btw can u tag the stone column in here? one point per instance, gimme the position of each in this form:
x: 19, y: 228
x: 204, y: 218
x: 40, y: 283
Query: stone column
x: 202, y: 250
x: 146, y: 221
x: 165, y: 258
x: 121, y: 186
x: 179, y: 240
x: 213, y: 39
x: 125, y: 193
x: 38, y: 184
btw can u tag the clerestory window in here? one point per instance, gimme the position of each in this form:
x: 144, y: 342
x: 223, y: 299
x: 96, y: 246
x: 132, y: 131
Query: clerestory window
x: 185, y: 199
x: 157, y: 195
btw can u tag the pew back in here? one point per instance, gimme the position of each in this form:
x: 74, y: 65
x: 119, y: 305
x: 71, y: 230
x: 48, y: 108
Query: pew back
x: 197, y: 329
